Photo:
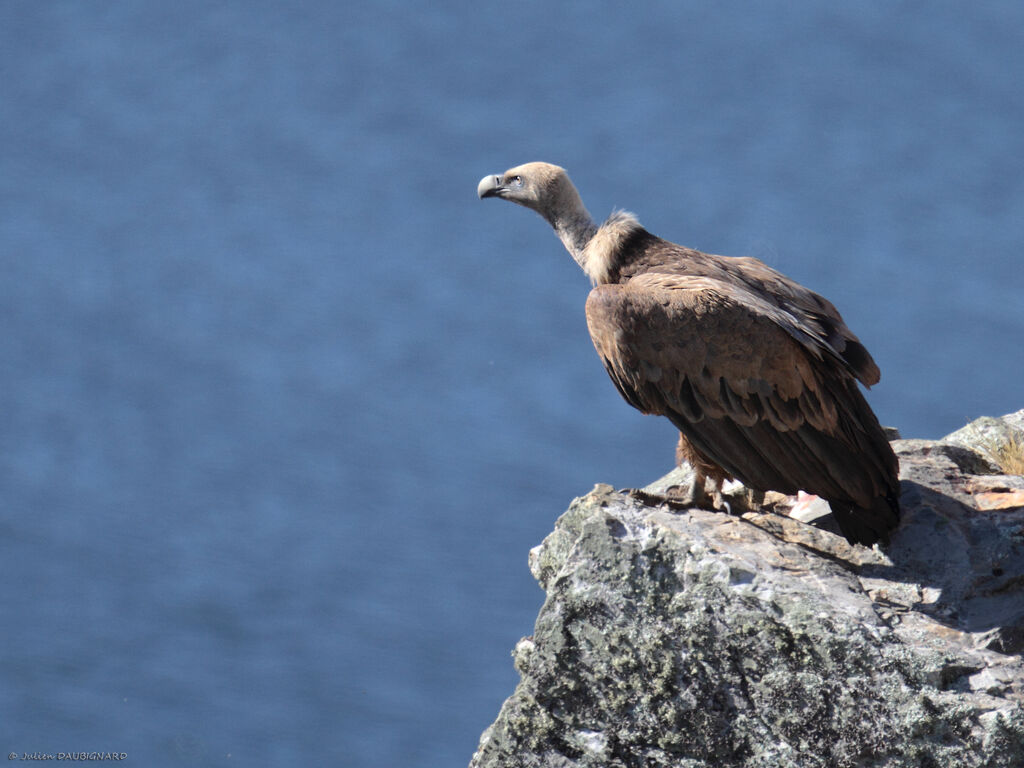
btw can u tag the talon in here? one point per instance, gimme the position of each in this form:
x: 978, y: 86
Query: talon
x: 717, y: 499
x: 645, y: 498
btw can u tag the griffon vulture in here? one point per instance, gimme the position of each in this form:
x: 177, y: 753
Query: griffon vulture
x: 758, y: 373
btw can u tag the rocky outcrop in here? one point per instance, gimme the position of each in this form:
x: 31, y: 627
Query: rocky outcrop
x: 694, y: 638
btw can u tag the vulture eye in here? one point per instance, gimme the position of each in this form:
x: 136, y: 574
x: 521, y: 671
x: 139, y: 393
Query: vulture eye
x: 517, y: 181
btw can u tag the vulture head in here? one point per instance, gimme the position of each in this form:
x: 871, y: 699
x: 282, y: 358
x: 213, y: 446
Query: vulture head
x: 542, y: 187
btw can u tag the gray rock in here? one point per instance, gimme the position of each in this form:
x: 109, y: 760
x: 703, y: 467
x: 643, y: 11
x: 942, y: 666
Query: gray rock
x: 987, y: 435
x: 700, y: 638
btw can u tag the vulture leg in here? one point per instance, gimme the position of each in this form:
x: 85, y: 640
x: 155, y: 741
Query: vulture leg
x: 717, y: 499
x: 693, y: 495
x: 696, y: 495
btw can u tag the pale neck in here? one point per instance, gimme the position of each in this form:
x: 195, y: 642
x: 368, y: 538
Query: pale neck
x: 574, y: 228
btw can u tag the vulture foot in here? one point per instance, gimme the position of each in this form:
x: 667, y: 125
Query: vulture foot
x: 656, y: 499
x: 692, y: 496
x: 697, y: 494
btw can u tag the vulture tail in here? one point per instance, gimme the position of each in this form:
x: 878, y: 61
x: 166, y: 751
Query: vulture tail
x: 867, y: 526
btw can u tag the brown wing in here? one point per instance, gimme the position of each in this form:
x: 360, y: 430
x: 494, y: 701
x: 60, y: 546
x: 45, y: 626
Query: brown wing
x: 818, y: 315
x: 820, y: 321
x: 748, y: 384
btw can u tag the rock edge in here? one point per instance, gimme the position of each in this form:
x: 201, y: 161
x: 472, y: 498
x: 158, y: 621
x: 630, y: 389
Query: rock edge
x: 698, y: 638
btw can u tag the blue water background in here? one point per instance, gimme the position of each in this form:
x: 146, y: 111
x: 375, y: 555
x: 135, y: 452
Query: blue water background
x: 285, y: 405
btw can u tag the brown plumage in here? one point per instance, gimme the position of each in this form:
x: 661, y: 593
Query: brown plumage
x: 757, y: 372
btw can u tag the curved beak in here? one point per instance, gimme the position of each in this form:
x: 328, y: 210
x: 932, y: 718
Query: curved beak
x: 490, y: 186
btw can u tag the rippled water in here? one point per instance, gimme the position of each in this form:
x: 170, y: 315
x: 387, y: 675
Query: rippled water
x: 286, y: 406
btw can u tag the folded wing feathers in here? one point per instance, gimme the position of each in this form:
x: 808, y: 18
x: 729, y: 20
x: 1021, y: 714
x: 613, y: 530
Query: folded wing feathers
x: 742, y: 380
x: 718, y: 351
